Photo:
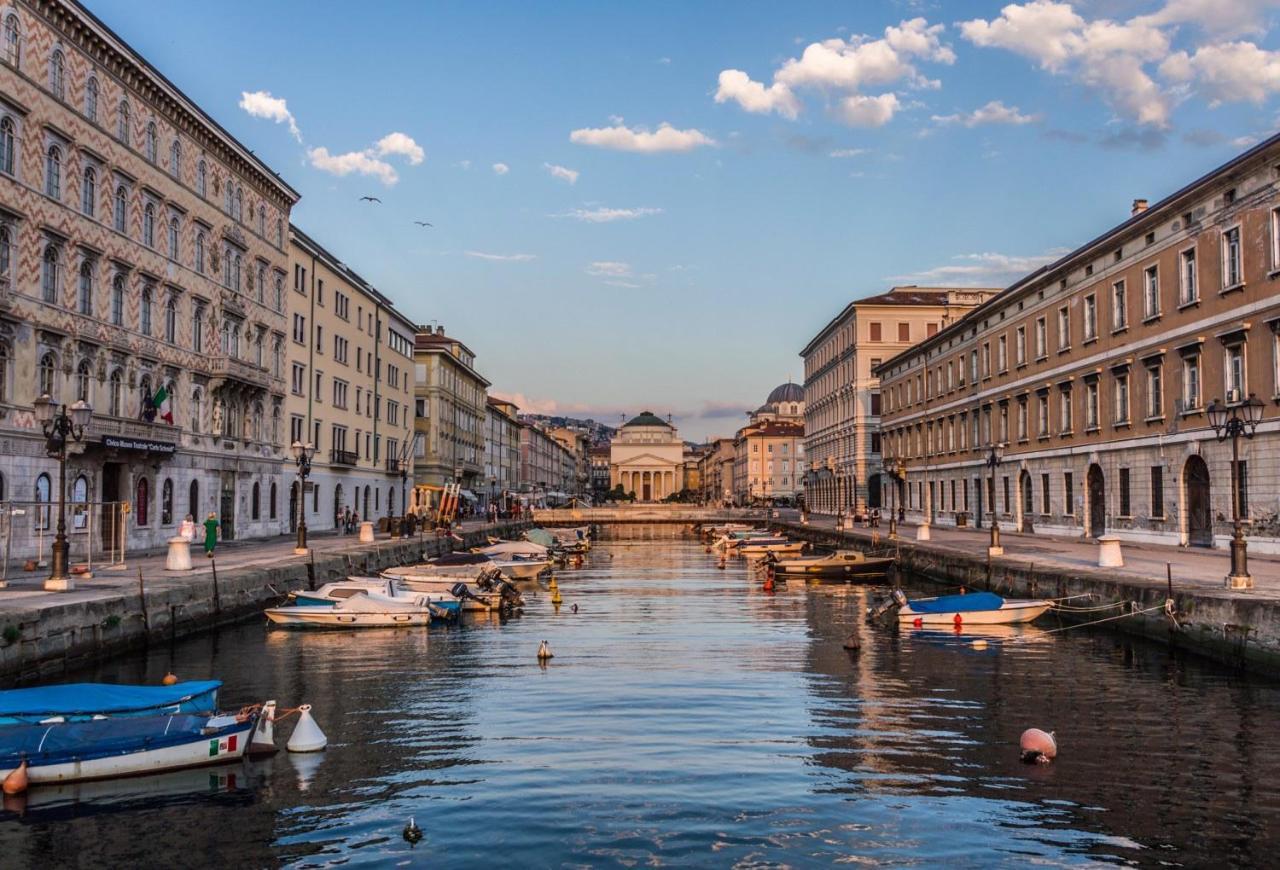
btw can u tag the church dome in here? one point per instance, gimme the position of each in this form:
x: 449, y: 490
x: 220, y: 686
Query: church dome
x: 646, y: 418
x: 787, y: 392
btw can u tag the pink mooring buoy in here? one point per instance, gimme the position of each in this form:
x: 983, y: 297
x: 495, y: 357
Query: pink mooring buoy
x: 1038, y: 747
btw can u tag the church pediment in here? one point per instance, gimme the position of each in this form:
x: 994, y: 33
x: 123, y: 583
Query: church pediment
x: 644, y: 459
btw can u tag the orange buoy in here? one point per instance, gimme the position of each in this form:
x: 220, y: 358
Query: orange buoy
x: 958, y: 621
x: 169, y: 679
x: 917, y: 623
x: 768, y: 583
x: 1036, y: 746
x: 17, y: 780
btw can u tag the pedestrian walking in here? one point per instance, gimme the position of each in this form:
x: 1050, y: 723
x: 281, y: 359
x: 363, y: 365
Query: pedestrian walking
x: 188, y: 530
x: 210, y: 535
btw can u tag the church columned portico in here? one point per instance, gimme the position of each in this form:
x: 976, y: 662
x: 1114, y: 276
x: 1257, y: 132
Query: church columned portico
x: 646, y: 458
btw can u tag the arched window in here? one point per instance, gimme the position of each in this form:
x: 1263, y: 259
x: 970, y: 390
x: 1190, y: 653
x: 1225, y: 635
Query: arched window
x: 5, y: 251
x: 196, y: 409
x: 257, y: 423
x: 5, y: 356
x: 275, y: 429
x: 235, y: 285
x: 173, y: 238
x: 86, y: 288
x: 122, y: 122
x: 115, y: 394
x: 262, y: 284
x: 149, y: 225
x: 142, y: 504
x: 117, y: 300
x: 12, y: 40
x: 279, y: 233
x: 53, y: 172
x: 89, y: 192
x: 151, y: 141
x: 45, y: 381
x: 258, y: 358
x: 200, y: 253
x: 239, y: 215
x: 226, y: 268
x: 277, y: 358
x: 120, y: 215
x: 255, y: 502
x: 144, y: 396
x: 171, y: 320
x: 84, y: 375
x: 202, y: 178
x: 279, y: 293
x: 7, y: 141
x: 193, y: 500
x: 44, y: 496
x: 57, y: 74
x: 197, y: 329
x: 145, y: 310
x: 175, y: 159
x: 271, y: 505
x: 49, y: 274
x: 166, y: 503
x: 231, y: 200
x: 91, y: 100
x: 79, y: 502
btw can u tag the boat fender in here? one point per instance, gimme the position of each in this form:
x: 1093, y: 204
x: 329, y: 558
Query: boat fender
x: 958, y: 621
x: 169, y: 679
x: 917, y: 623
x: 17, y: 780
x: 1038, y: 747
x: 412, y: 833
x: 544, y: 651
x: 307, y: 736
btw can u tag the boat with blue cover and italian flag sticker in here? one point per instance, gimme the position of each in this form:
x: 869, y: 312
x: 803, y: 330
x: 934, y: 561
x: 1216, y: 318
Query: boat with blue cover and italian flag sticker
x: 77, y: 702
x: 976, y: 608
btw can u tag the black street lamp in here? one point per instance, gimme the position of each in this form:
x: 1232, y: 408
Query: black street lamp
x: 302, y: 454
x: 1232, y: 421
x: 993, y: 461
x: 59, y: 427
x: 896, y: 472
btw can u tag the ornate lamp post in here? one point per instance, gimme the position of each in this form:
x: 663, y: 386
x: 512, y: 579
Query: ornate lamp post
x: 59, y: 427
x: 894, y: 471
x: 993, y: 461
x: 1232, y: 421
x: 302, y: 454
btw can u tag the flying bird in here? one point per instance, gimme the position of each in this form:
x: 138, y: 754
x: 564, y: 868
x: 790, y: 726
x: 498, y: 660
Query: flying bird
x: 422, y: 223
x: 370, y: 199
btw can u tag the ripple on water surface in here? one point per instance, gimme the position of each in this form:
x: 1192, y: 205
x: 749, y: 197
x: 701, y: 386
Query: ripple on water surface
x: 690, y: 718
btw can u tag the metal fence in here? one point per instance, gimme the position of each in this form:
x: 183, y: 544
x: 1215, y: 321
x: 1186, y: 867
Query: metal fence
x: 96, y: 531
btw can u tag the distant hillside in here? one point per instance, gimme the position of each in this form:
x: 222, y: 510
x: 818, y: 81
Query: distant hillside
x: 597, y: 433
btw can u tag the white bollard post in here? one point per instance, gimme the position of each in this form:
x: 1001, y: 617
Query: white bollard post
x: 1109, y: 553
x: 366, y: 533
x: 179, y: 556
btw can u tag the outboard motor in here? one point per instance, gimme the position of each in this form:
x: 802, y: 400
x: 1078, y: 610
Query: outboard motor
x: 886, y: 605
x: 510, y: 593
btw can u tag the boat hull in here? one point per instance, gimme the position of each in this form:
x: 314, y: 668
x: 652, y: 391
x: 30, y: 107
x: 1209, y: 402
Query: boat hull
x: 329, y: 617
x: 525, y: 570
x: 1012, y: 613
x: 762, y: 549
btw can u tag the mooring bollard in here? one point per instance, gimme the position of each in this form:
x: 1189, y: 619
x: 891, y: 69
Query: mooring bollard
x: 1109, y: 553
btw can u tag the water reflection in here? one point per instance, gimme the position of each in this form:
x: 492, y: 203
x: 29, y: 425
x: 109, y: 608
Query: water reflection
x: 690, y: 717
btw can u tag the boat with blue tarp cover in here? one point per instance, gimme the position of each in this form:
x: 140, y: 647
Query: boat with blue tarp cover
x: 976, y: 608
x: 83, y: 701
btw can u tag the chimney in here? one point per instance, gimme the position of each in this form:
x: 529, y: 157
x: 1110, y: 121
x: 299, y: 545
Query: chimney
x: 440, y: 327
x: 1139, y: 206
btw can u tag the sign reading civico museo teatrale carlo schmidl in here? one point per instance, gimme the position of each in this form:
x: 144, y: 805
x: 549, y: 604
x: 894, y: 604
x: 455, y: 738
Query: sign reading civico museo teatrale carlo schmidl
x: 143, y: 445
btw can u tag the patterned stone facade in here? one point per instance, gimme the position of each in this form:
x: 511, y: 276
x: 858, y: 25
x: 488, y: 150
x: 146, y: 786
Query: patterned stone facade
x: 141, y: 247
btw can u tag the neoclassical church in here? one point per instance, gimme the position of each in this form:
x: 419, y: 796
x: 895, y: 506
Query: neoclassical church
x: 647, y: 458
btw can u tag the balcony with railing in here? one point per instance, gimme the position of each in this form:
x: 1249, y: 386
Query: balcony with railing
x: 343, y: 457
x: 394, y: 464
x: 232, y: 368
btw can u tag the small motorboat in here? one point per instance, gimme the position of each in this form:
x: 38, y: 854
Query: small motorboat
x: 78, y: 702
x: 377, y: 588
x: 976, y: 608
x: 361, y: 607
x: 846, y: 565
x: 761, y: 546
x: 109, y: 747
x: 508, y: 549
x: 489, y: 591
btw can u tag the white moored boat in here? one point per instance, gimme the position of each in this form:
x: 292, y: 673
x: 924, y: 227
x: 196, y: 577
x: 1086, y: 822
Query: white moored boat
x: 976, y: 608
x: 751, y: 548
x: 362, y: 609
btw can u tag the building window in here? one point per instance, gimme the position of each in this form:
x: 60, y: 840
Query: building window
x: 1019, y: 347
x: 1151, y: 293
x: 1234, y: 373
x: 83, y: 377
x: 1232, y: 268
x: 904, y: 332
x: 144, y: 311
x: 874, y: 331
x: 142, y: 505
x: 53, y: 172
x: 1122, y: 398
x: 1064, y: 328
x: 175, y: 159
x: 122, y: 122
x: 151, y: 144
x: 57, y: 75
x: 1155, y: 391
x: 1157, y: 492
x: 1090, y: 317
x: 202, y: 179
x: 171, y: 320
x: 1069, y: 494
x: 1064, y: 409
x: 1124, y: 493
x: 44, y: 491
x: 1191, y: 382
x: 89, y: 192
x: 117, y: 300
x: 197, y: 329
x: 1002, y: 354
x: 149, y: 225
x: 1042, y: 415
x: 279, y: 293
x: 7, y: 145
x: 1042, y: 338
x: 115, y: 394
x: 1189, y: 289
x: 1119, y: 307
x: 12, y: 40
x: 49, y: 269
x: 173, y: 238
x: 1091, y: 405
x: 86, y: 288
x: 120, y: 213
x: 255, y: 502
x: 91, y: 100
x: 166, y: 503
x: 1022, y: 419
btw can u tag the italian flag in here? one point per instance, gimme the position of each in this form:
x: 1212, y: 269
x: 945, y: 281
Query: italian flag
x: 219, y: 746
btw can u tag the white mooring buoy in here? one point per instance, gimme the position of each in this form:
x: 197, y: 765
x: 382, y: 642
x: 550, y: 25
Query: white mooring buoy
x: 307, y: 736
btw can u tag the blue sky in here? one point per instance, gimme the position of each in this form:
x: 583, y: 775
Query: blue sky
x: 817, y: 152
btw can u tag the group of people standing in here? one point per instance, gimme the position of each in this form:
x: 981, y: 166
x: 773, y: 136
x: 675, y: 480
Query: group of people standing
x: 347, y: 522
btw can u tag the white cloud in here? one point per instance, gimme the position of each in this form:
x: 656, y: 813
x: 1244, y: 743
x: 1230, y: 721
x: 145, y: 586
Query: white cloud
x: 987, y: 269
x: 505, y: 258
x: 399, y: 143
x: 1109, y: 56
x: 1228, y: 72
x: 608, y: 215
x: 609, y: 269
x: 623, y: 138
x: 260, y: 104
x: 1221, y: 18
x: 847, y: 67
x: 847, y: 152
x: 359, y: 162
x: 465, y: 164
x: 755, y: 97
x: 630, y: 285
x: 501, y: 169
x: 664, y: 60
x: 994, y: 112
x: 569, y: 175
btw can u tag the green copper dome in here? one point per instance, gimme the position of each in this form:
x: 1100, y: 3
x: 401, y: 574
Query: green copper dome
x: 646, y: 418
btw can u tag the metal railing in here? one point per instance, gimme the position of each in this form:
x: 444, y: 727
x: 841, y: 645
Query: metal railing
x: 97, y: 533
x: 343, y: 457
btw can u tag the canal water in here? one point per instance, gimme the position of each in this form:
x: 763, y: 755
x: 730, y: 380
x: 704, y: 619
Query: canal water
x: 690, y: 718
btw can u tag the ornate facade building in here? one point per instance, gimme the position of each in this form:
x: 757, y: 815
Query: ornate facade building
x: 350, y: 364
x: 842, y: 393
x: 449, y: 398
x: 143, y: 256
x: 1095, y: 373
x: 647, y: 458
x: 769, y: 454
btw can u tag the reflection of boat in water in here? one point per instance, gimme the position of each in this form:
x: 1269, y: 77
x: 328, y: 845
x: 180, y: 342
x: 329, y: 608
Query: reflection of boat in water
x: 976, y: 608
x: 849, y: 566
x: 966, y: 634
x: 57, y: 801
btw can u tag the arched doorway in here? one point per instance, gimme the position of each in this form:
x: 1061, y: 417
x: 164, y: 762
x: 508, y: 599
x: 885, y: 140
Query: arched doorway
x: 647, y: 487
x: 1097, y: 519
x: 1195, y: 478
x: 873, y: 491
x: 1024, y: 502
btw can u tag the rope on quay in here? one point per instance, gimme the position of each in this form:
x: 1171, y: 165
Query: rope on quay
x: 1030, y: 637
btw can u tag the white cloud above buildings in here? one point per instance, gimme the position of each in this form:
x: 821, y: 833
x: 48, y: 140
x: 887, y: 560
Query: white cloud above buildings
x: 260, y: 104
x: 987, y: 269
x: 502, y: 258
x: 562, y: 172
x: 501, y: 169
x: 994, y: 112
x: 640, y: 140
x: 603, y: 215
x: 369, y: 160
